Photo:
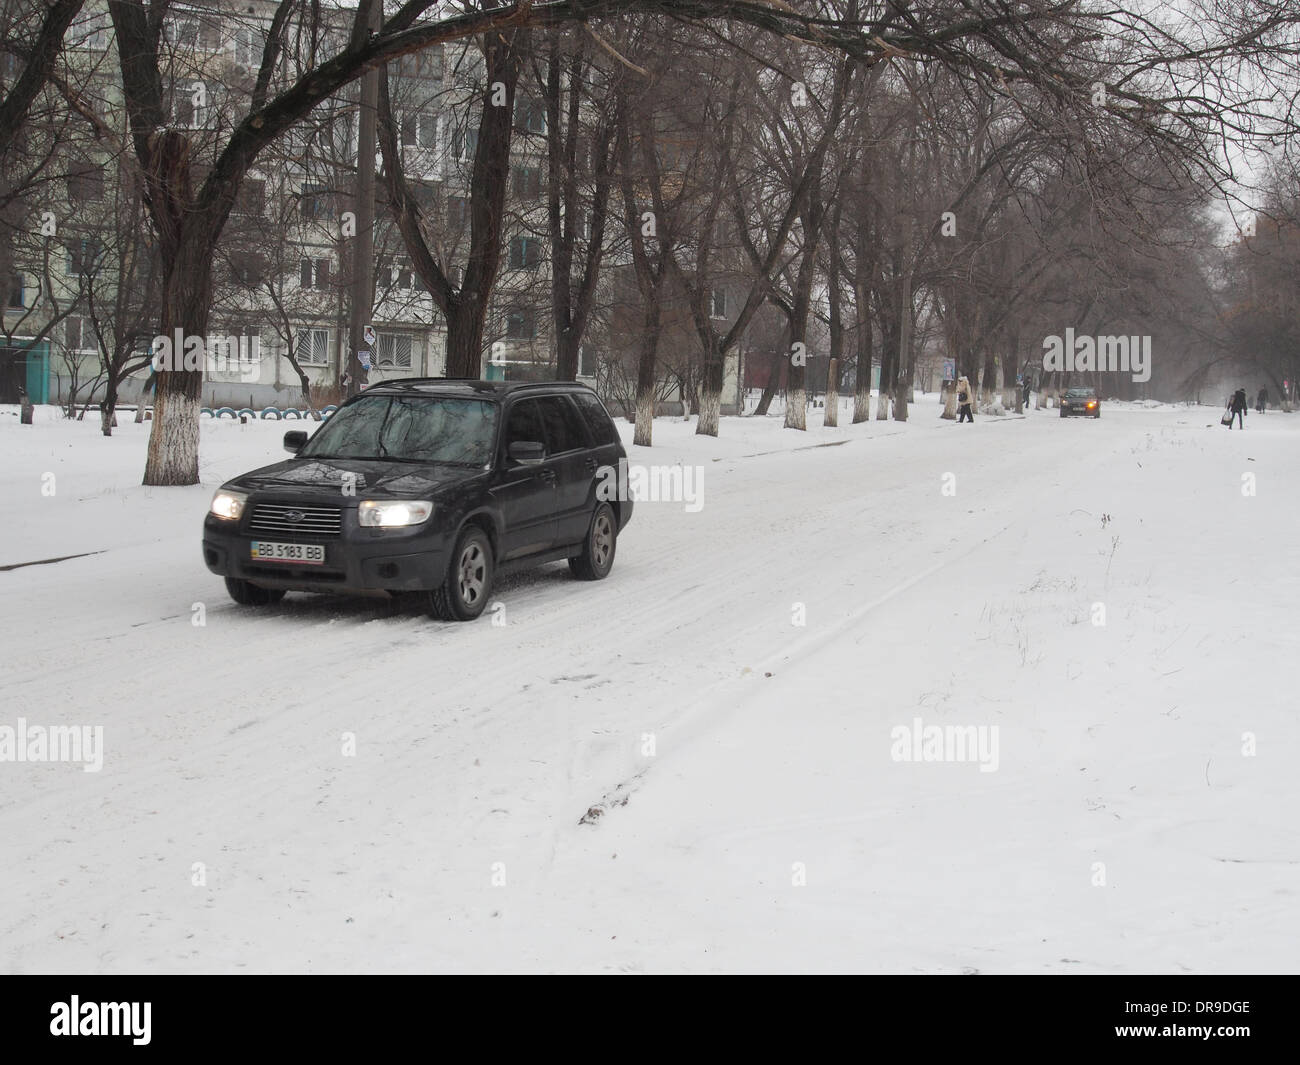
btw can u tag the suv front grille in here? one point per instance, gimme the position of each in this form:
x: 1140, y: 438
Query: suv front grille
x: 278, y: 518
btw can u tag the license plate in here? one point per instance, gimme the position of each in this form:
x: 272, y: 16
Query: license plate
x: 305, y: 554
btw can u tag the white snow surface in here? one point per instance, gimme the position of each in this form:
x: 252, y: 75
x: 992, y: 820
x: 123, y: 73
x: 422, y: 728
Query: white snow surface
x: 748, y: 811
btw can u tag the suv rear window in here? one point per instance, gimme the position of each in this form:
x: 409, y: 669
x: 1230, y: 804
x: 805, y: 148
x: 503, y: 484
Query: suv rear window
x: 594, y: 414
x: 564, y: 428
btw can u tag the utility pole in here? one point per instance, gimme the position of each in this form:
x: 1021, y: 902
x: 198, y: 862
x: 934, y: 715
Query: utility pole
x: 363, y: 243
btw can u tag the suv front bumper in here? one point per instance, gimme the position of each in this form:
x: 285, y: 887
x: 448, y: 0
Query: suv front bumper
x: 399, y: 560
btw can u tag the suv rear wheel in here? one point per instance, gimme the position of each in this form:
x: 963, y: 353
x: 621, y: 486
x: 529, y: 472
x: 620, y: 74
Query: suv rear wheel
x: 245, y: 593
x: 597, y: 557
x: 464, y: 593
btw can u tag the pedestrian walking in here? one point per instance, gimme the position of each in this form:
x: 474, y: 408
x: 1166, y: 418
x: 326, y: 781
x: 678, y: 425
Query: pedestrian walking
x: 965, y: 401
x: 1237, y: 407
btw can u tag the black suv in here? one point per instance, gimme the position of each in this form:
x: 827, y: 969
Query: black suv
x: 427, y: 485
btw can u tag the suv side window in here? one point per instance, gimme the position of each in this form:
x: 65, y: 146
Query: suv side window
x: 565, y: 430
x: 524, y: 423
x: 597, y: 419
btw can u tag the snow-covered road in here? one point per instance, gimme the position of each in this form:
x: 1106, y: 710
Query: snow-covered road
x: 750, y: 812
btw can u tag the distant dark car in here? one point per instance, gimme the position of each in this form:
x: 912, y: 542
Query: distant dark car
x: 1080, y: 401
x: 426, y: 485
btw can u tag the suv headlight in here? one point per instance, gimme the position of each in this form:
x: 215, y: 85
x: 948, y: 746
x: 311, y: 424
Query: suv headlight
x: 228, y: 504
x: 393, y: 513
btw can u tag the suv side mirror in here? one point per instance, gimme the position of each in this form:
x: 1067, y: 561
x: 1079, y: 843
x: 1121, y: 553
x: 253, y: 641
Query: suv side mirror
x: 527, y: 452
x: 294, y: 441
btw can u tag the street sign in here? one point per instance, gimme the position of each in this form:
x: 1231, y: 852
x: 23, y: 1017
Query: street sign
x: 368, y: 334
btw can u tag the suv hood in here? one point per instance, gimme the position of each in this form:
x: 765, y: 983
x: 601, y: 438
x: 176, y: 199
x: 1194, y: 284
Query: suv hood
x: 309, y: 475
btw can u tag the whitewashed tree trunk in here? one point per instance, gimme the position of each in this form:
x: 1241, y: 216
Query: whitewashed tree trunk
x: 832, y: 416
x: 173, y: 454
x: 645, y: 419
x: 796, y: 409
x: 710, y: 413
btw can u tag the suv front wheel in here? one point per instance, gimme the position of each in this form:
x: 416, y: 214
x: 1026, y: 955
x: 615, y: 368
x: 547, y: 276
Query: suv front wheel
x: 597, y: 557
x: 464, y: 593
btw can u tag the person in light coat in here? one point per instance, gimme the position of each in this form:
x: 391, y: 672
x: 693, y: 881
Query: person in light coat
x: 965, y: 401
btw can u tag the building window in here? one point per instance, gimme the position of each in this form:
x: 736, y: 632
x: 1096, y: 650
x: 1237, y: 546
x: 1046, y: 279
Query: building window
x: 92, y: 31
x: 521, y: 324
x: 86, y: 185
x: 248, y: 269
x: 470, y: 68
x: 252, y: 197
x: 316, y: 202
x: 425, y: 195
x: 586, y: 361
x: 530, y: 115
x: 16, y: 297
x: 400, y: 275
x: 525, y: 253
x: 312, y: 347
x: 190, y: 102
x: 457, y: 212
x: 79, y: 335
x: 193, y: 32
x: 419, y: 130
x: 314, y: 273
x: 426, y: 64
x: 248, y: 48
x: 526, y: 182
x: 83, y: 257
x: 718, y: 301
x: 393, y: 350
x: 464, y: 142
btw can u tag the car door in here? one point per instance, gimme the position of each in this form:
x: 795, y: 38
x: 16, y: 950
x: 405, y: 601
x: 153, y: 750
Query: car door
x: 570, y: 451
x: 526, y: 495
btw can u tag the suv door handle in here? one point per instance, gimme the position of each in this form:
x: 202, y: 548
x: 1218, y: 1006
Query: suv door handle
x: 591, y: 464
x: 547, y: 475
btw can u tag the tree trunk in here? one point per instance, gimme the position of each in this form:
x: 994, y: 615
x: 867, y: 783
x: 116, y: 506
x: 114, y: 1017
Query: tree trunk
x: 888, y: 358
x: 949, y: 401
x: 465, y: 327
x: 769, y: 389
x: 832, y: 414
x: 173, y: 455
x: 711, y: 378
x: 989, y: 379
x: 645, y: 376
x: 108, y: 410
x: 567, y: 343
x: 906, y: 369
x: 862, y: 386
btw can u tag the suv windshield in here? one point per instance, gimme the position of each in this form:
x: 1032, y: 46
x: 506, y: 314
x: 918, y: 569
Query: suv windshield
x: 1080, y: 393
x: 455, y: 432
